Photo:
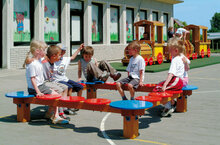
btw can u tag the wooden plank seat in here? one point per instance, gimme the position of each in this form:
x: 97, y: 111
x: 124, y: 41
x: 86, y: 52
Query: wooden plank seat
x: 72, y: 99
x: 49, y: 97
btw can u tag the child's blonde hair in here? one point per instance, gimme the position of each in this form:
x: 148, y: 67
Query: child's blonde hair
x: 135, y: 45
x: 53, y: 50
x: 176, y: 43
x: 88, y: 50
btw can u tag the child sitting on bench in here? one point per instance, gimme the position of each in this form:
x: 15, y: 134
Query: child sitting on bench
x: 92, y: 71
x: 174, y: 80
x: 36, y: 82
x: 135, y: 69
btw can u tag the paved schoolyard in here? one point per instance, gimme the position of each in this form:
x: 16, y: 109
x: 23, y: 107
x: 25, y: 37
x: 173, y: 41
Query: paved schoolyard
x: 198, y: 126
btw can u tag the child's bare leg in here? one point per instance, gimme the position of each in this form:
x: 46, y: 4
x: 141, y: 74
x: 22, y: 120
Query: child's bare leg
x: 70, y: 92
x: 79, y: 93
x: 121, y: 92
x: 131, y: 90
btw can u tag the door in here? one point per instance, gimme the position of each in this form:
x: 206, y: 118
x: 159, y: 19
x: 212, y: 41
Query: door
x: 1, y: 49
x: 76, y: 25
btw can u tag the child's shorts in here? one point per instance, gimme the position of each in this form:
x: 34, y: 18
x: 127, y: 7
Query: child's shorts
x: 43, y: 89
x: 72, y: 85
x: 129, y: 80
x: 57, y: 87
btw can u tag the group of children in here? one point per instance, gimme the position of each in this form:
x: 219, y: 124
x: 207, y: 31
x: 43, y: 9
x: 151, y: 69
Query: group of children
x: 46, y: 73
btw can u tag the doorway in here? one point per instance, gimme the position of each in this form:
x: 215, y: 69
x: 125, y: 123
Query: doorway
x: 1, y: 47
x: 76, y: 25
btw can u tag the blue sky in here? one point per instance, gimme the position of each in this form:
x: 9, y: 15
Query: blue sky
x: 198, y: 12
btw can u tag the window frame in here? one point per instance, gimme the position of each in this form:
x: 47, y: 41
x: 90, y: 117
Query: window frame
x: 145, y: 11
x: 114, y: 42
x: 59, y: 27
x: 100, y: 22
x: 76, y: 12
x: 31, y: 10
x: 132, y: 23
x: 157, y: 15
x: 166, y: 24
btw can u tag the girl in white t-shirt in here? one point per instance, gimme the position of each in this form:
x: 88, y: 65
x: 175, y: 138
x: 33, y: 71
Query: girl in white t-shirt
x: 174, y: 80
x: 35, y: 79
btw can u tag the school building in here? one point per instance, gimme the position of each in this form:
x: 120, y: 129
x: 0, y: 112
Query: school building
x: 106, y: 25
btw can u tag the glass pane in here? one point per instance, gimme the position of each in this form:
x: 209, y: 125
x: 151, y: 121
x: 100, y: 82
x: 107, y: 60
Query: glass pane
x: 165, y: 21
x: 22, y: 21
x: 51, y: 23
x: 114, y: 24
x: 76, y: 28
x: 75, y: 5
x: 155, y: 18
x: 142, y: 15
x: 129, y: 25
x: 95, y: 21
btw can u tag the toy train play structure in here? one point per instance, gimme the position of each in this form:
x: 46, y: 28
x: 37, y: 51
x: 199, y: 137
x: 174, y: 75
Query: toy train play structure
x: 154, y: 49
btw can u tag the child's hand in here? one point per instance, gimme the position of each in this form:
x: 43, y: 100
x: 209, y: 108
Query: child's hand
x: 141, y: 84
x: 79, y: 79
x: 163, y: 89
x: 40, y: 94
x: 81, y: 46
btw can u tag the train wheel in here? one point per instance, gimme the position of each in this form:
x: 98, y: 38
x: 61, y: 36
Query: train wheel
x: 159, y: 58
x: 208, y: 52
x: 151, y: 61
x: 146, y: 61
x: 196, y: 55
x: 202, y: 53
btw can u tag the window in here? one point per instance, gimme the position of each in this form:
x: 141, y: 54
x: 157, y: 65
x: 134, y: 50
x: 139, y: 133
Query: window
x: 114, y: 24
x: 129, y: 24
x: 97, y: 23
x: 143, y: 16
x: 23, y: 21
x: 52, y: 21
x: 155, y: 18
x: 76, y: 19
x: 165, y: 28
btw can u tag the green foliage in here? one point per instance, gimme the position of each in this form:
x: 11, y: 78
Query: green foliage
x: 215, y: 23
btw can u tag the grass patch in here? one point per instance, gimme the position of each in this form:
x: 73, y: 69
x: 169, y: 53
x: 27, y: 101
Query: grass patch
x: 165, y: 66
x: 215, y: 50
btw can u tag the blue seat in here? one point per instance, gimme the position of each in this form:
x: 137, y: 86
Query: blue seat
x: 92, y: 83
x: 19, y: 94
x: 131, y: 104
x: 189, y: 87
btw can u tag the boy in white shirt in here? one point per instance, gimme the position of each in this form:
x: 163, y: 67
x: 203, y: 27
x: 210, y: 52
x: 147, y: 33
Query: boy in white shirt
x: 135, y: 69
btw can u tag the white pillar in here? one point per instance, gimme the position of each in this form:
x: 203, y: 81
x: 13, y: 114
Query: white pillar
x: 39, y: 20
x: 106, y: 23
x: 8, y: 29
x: 88, y: 22
x: 160, y: 15
x: 170, y: 20
x: 123, y: 39
x: 65, y: 25
x: 136, y: 15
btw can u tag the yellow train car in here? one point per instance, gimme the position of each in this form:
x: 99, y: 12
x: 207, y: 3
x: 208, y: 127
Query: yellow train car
x: 152, y: 47
x: 201, y: 44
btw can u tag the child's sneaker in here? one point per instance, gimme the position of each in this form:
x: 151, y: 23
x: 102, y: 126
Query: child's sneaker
x: 65, y: 117
x: 104, y: 76
x: 116, y: 76
x: 167, y: 112
x: 69, y: 112
x: 60, y: 120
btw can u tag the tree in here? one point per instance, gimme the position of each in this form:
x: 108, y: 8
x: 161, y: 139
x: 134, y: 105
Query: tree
x: 215, y: 23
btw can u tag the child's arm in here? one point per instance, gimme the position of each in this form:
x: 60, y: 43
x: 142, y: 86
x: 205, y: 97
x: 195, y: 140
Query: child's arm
x: 77, y: 51
x: 186, y: 62
x: 141, y: 78
x: 169, y: 77
x: 33, y: 81
x: 79, y: 71
x: 96, y: 63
